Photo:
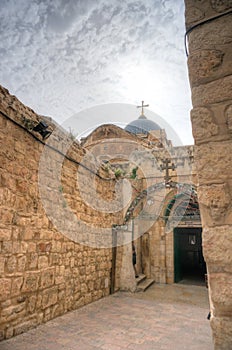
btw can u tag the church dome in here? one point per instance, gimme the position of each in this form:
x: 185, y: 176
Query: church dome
x: 142, y: 125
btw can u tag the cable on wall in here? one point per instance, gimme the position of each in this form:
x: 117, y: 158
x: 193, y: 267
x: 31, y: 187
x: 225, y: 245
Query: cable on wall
x: 53, y: 148
x: 200, y: 24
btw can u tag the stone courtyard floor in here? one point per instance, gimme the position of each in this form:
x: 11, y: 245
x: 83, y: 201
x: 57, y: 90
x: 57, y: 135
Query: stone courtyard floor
x: 170, y: 317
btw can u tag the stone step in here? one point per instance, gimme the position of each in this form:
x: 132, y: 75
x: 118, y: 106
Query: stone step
x: 146, y: 283
x: 140, y: 279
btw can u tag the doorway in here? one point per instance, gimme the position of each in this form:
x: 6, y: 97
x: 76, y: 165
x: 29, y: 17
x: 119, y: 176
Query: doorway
x: 189, y: 264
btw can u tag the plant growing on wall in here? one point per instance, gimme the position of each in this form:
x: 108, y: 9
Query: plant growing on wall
x: 28, y: 123
x: 134, y: 173
x: 118, y: 173
x: 72, y: 134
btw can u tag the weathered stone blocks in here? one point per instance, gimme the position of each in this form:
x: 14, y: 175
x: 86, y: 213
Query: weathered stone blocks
x: 2, y: 265
x: 216, y: 198
x: 42, y: 262
x: 213, y: 92
x: 5, y: 234
x: 211, y: 36
x: 222, y: 255
x: 43, y: 273
x: 228, y: 114
x: 203, y: 124
x: 17, y: 283
x: 49, y: 297
x: 220, y: 287
x: 222, y: 329
x: 22, y: 263
x: 211, y: 165
x: 221, y: 5
x: 5, y: 288
x: 31, y: 282
x: 25, y: 326
x: 12, y: 312
x: 194, y: 14
x: 210, y: 72
x: 47, y: 278
x: 206, y: 64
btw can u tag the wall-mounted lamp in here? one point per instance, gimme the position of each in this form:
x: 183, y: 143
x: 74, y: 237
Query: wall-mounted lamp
x: 41, y: 129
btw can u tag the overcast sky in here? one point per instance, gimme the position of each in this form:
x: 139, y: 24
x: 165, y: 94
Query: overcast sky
x: 66, y: 58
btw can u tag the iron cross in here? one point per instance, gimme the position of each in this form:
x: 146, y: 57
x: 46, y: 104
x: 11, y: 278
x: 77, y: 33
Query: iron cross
x: 143, y: 105
x: 165, y: 166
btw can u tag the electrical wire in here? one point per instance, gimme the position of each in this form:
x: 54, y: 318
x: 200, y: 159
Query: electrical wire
x: 53, y: 148
x: 64, y: 155
x: 200, y: 24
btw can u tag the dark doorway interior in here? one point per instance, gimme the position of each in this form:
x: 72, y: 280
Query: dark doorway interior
x: 189, y: 264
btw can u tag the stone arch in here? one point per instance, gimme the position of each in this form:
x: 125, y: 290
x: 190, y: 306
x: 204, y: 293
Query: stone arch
x: 183, y: 203
x: 179, y: 190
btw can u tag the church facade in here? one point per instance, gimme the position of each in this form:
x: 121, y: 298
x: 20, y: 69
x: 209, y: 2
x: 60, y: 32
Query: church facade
x: 162, y: 215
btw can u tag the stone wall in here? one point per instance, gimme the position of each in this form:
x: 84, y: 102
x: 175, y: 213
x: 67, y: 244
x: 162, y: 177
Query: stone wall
x: 44, y: 270
x: 210, y: 73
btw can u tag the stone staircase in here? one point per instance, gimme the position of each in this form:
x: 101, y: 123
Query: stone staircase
x: 143, y: 283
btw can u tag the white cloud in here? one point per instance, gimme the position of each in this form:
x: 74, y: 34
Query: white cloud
x: 60, y: 57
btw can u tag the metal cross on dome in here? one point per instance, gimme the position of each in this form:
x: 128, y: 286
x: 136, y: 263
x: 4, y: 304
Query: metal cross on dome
x: 143, y: 105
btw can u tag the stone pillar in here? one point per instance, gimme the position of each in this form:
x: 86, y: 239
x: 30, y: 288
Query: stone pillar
x: 163, y: 269
x: 210, y: 74
x: 127, y: 275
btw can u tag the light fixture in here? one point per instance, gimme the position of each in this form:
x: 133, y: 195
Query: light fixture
x: 41, y: 129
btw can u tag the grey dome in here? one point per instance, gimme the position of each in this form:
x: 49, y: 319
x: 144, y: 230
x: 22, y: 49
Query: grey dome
x: 142, y: 125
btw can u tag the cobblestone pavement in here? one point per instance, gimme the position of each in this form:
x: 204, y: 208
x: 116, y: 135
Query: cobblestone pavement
x: 170, y: 317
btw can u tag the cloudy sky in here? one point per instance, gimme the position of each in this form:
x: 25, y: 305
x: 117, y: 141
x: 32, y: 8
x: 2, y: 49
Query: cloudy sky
x: 95, y: 60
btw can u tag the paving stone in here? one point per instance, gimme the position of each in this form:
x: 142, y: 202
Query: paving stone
x: 164, y: 317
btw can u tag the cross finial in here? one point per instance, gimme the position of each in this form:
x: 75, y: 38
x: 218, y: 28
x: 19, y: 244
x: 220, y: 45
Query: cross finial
x: 165, y: 166
x: 143, y: 105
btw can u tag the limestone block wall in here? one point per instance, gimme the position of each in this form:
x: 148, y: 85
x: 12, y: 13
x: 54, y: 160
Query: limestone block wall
x: 210, y: 74
x: 43, y: 272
